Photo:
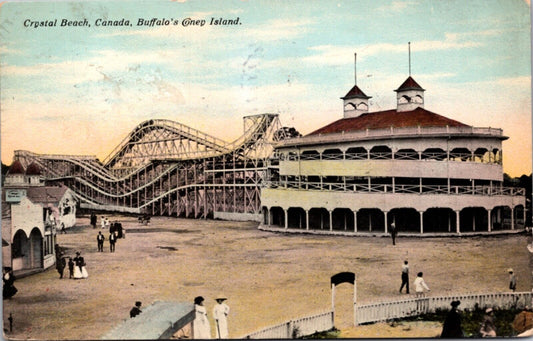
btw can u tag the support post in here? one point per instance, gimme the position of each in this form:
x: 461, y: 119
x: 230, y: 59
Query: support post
x: 421, y: 221
x: 489, y: 227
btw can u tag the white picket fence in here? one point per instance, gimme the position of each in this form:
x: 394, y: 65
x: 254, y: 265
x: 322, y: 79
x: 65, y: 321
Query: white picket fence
x: 383, y: 311
x: 296, y: 328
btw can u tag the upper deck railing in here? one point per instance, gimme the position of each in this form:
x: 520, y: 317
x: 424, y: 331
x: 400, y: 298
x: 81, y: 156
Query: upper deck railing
x: 397, y: 188
x: 392, y: 132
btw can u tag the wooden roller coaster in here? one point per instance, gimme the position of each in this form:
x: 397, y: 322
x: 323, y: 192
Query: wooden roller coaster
x: 166, y: 168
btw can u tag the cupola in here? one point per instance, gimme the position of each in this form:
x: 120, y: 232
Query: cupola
x: 355, y: 102
x: 409, y: 95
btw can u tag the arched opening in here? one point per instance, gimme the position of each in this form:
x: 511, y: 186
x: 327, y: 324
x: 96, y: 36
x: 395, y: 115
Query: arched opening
x: 406, y: 154
x: 405, y: 219
x: 362, y: 106
x: 36, y: 248
x: 342, y: 219
x: 356, y: 153
x: 434, y: 154
x: 440, y: 219
x: 349, y: 106
x: 309, y: 155
x: 519, y: 217
x: 277, y: 216
x: 332, y: 154
x: 370, y: 220
x: 473, y: 219
x: 497, y: 154
x: 296, y: 217
x: 418, y: 99
x: 501, y: 218
x: 460, y: 154
x: 404, y: 99
x: 318, y: 219
x: 20, y: 251
x: 481, y: 155
x: 380, y: 152
x: 264, y: 210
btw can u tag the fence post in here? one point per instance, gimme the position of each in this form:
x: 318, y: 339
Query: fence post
x: 355, y: 301
x: 290, y: 329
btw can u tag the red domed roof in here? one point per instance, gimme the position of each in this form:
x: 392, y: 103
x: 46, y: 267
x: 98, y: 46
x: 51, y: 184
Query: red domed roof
x: 33, y: 169
x: 16, y: 168
x: 389, y: 118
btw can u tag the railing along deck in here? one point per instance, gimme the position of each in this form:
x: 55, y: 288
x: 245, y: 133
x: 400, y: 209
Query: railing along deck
x: 398, y: 188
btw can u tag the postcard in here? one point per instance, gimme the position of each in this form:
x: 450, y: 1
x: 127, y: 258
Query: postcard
x: 266, y: 169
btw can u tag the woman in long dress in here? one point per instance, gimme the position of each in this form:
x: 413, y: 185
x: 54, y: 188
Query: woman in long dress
x: 84, y: 273
x: 201, y: 328
x: 80, y: 271
x: 220, y: 314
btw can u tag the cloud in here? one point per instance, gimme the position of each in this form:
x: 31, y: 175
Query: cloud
x: 397, y: 6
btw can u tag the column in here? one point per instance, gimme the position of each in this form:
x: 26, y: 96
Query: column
x: 286, y: 218
x: 489, y: 228
x: 512, y: 218
x: 457, y: 221
x: 421, y: 221
x: 268, y: 216
x: 330, y: 220
x: 354, y: 220
x: 307, y: 219
x: 386, y: 222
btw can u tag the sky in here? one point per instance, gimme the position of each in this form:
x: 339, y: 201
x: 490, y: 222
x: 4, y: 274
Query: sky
x: 81, y: 89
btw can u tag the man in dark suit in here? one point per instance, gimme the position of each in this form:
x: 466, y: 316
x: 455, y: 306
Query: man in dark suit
x: 100, y: 239
x: 112, y: 240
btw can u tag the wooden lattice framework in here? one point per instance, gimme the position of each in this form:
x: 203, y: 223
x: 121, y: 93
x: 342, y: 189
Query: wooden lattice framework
x: 166, y: 168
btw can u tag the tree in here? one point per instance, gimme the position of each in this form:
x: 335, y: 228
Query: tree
x: 285, y: 133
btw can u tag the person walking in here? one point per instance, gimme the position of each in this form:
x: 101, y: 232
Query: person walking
x: 8, y: 280
x: 488, y: 328
x: 452, y: 324
x: 420, y: 285
x: 100, y: 240
x: 70, y: 267
x: 60, y: 264
x: 112, y: 240
x: 405, y: 277
x: 512, y: 279
x: 136, y: 310
x: 201, y: 328
x: 80, y: 270
x: 93, y: 220
x: 393, y: 233
x: 220, y: 314
x: 102, y: 222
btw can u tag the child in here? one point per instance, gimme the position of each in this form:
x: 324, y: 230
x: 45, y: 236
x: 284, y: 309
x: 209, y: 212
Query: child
x: 70, y: 267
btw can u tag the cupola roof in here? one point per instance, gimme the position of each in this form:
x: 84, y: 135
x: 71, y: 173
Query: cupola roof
x: 33, y: 169
x: 355, y: 92
x: 16, y: 168
x: 409, y: 84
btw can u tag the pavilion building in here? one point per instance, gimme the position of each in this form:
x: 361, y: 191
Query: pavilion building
x: 423, y: 172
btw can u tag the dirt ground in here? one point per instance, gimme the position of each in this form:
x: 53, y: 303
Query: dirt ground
x: 269, y: 278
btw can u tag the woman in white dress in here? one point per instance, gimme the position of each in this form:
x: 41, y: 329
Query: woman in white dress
x: 77, y: 268
x: 220, y: 314
x: 201, y: 328
x: 80, y: 270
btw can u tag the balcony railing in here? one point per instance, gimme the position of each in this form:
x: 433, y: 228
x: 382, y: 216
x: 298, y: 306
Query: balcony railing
x: 397, y: 188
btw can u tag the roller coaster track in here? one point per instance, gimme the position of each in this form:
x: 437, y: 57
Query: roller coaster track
x: 164, y: 167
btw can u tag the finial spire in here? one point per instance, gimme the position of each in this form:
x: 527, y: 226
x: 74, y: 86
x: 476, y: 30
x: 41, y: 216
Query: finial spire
x: 409, y: 46
x: 355, y: 67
